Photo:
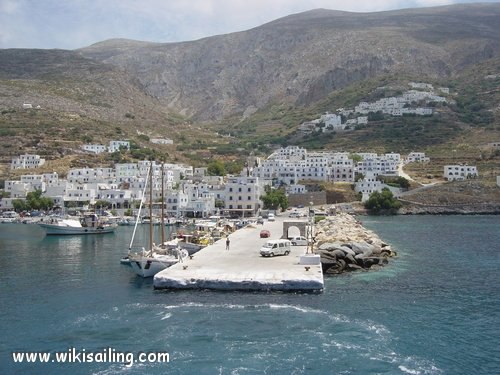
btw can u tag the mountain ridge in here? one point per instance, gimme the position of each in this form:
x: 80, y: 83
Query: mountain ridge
x: 301, y: 58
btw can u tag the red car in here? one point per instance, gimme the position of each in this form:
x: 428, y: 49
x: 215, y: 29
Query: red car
x: 265, y: 234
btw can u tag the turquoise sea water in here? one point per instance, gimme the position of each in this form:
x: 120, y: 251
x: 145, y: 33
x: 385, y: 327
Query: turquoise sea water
x: 434, y: 310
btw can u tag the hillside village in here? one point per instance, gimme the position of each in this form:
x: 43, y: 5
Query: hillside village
x: 406, y: 104
x: 191, y: 192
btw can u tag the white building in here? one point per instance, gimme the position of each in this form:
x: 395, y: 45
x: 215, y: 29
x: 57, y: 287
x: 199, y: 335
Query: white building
x: 417, y: 157
x: 118, y: 198
x: 459, y: 172
x: 242, y: 195
x: 162, y: 141
x: 115, y: 145
x: 421, y: 85
x: 96, y: 149
x: 80, y: 194
x: 176, y: 202
x: 91, y: 175
x: 378, y: 165
x: 27, y: 161
x: 201, y: 201
x: 368, y: 185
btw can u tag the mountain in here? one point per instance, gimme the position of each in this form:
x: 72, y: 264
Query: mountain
x: 68, y: 82
x: 229, y: 95
x: 302, y: 58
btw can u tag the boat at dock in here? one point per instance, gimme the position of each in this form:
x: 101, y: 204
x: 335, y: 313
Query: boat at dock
x: 147, y: 263
x: 88, y: 224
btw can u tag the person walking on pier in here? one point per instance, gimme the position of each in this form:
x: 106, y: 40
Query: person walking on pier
x: 227, y: 243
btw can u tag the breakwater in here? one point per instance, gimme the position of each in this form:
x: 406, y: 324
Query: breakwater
x: 345, y: 245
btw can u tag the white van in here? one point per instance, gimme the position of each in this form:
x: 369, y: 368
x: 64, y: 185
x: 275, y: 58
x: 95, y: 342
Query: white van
x: 275, y: 247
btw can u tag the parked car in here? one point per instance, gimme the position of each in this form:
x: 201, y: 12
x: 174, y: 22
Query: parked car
x: 265, y: 234
x: 275, y: 247
x: 260, y: 220
x: 271, y: 217
x: 298, y: 241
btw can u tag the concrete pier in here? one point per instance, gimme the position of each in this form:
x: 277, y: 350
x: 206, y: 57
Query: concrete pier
x: 243, y: 268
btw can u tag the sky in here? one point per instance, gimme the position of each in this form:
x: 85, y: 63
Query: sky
x: 72, y: 24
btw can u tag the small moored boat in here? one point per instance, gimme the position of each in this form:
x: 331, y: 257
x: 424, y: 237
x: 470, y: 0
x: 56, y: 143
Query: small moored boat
x: 88, y: 224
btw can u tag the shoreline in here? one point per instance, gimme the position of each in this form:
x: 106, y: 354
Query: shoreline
x: 415, y: 208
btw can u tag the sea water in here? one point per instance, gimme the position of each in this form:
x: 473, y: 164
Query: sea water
x: 435, y: 309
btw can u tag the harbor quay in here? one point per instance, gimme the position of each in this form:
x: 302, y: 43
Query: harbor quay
x: 241, y: 267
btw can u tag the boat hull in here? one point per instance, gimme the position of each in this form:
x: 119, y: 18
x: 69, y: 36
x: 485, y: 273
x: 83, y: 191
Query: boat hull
x: 54, y: 229
x: 148, y: 267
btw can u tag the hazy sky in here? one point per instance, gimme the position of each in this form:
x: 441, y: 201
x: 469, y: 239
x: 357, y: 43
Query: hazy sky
x: 71, y: 24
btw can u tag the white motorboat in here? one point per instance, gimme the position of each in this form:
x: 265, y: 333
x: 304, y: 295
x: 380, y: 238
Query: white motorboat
x: 88, y: 224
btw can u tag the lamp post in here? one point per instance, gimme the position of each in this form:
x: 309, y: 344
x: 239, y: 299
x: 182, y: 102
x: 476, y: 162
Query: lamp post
x: 310, y: 229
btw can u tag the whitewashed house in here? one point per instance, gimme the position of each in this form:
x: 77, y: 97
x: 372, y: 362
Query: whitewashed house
x: 17, y: 189
x: 368, y: 185
x: 115, y: 146
x: 80, y: 195
x: 118, y: 198
x: 162, y: 141
x: 176, y: 202
x: 27, y: 161
x: 380, y: 165
x: 296, y: 189
x: 417, y: 157
x: 201, y: 201
x: 91, y: 175
x: 96, y: 149
x: 459, y: 172
x: 35, y: 181
x: 242, y: 195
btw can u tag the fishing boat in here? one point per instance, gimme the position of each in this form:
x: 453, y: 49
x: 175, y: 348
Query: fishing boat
x: 89, y: 223
x: 147, y: 263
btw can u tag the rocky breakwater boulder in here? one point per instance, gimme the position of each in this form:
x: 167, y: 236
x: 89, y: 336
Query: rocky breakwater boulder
x: 345, y: 245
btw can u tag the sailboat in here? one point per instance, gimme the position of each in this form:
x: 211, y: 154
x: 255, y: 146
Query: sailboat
x: 147, y: 263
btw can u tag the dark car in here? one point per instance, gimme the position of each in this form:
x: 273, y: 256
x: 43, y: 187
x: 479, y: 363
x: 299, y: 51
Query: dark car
x: 265, y: 234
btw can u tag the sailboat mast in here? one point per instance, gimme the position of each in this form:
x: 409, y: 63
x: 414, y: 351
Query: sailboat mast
x: 140, y: 207
x: 162, y: 204
x: 151, y: 208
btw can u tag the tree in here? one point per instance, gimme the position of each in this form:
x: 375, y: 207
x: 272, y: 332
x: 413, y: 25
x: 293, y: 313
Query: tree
x: 384, y: 200
x: 33, y: 201
x: 19, y: 205
x: 274, y: 199
x: 356, y: 158
x: 216, y: 168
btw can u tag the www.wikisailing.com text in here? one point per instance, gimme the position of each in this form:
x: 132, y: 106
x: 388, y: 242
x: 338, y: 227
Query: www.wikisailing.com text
x: 107, y: 355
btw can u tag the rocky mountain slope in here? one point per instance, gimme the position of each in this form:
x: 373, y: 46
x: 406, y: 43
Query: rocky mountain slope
x: 302, y: 58
x: 274, y: 76
x: 67, y: 82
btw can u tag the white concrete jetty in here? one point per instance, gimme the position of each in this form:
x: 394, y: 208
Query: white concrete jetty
x: 243, y: 268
